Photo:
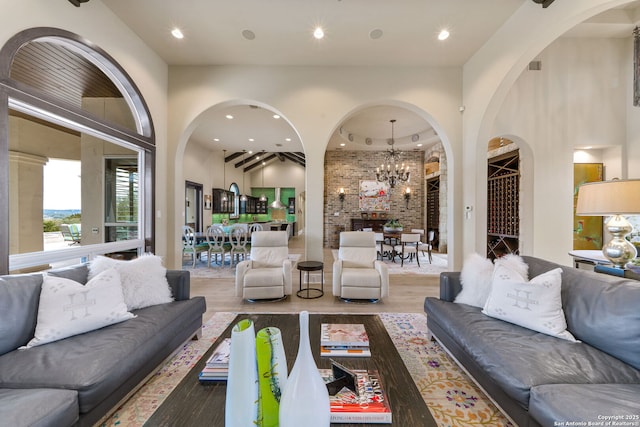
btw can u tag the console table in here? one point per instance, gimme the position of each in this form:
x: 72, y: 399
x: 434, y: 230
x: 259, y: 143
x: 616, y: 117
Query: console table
x: 358, y: 224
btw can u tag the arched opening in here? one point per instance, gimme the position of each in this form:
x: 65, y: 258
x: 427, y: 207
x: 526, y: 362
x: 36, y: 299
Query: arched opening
x: 85, y: 110
x: 357, y: 150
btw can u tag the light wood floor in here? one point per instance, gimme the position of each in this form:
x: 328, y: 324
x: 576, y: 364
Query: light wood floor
x: 406, y: 293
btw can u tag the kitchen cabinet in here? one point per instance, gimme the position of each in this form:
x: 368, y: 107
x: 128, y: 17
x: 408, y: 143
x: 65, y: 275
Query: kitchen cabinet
x: 250, y: 206
x: 220, y: 205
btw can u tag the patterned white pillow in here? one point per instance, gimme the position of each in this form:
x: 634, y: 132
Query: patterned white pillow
x: 534, y: 304
x: 144, y: 279
x: 69, y: 308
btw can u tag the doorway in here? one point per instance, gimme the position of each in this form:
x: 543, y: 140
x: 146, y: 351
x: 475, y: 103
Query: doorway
x: 193, y: 205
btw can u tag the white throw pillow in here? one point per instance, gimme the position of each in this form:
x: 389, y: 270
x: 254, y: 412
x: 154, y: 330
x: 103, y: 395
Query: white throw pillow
x: 515, y: 263
x: 70, y: 308
x: 144, y: 280
x: 476, y: 275
x: 534, y: 304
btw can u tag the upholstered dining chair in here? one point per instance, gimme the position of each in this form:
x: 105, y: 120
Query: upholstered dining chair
x: 239, y: 239
x: 216, y: 241
x: 190, y: 245
x: 357, y: 273
x: 267, y: 274
x: 408, y: 247
x: 384, y: 249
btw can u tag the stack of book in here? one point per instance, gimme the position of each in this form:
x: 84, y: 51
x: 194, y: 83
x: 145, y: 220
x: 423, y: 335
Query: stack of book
x: 367, y: 404
x: 217, y: 367
x: 344, y: 339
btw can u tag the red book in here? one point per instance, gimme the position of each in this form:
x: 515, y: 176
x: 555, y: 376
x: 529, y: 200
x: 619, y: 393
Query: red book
x: 369, y: 405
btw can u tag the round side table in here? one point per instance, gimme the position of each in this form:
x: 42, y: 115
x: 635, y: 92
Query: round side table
x: 308, y: 292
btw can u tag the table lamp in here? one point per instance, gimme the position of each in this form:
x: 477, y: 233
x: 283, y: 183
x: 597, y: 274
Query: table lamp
x: 616, y: 198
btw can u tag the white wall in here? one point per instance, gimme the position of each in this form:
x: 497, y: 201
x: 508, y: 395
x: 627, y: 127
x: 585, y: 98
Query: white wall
x: 314, y: 100
x: 545, y: 119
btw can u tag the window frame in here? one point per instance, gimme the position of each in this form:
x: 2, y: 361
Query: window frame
x: 18, y: 96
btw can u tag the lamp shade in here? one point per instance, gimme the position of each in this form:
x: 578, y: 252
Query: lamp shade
x: 616, y: 197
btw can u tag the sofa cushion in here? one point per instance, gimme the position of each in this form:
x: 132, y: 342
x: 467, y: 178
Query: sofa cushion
x: 38, y: 407
x: 601, y: 310
x: 109, y: 357
x: 19, y: 296
x: 144, y: 280
x: 584, y: 403
x: 534, y: 304
x: 69, y: 308
x: 517, y: 358
x: 361, y: 277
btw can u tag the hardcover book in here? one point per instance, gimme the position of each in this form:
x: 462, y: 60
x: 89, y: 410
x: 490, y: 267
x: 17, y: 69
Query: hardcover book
x: 368, y: 404
x: 341, y: 335
x: 345, y: 351
x: 220, y: 356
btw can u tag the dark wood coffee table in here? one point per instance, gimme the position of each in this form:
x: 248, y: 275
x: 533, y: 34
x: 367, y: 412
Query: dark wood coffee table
x: 194, y: 404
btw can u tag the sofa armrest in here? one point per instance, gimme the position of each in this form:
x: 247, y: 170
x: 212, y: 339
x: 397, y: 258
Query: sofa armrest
x: 450, y: 285
x: 180, y: 283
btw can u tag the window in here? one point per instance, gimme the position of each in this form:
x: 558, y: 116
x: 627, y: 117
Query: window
x: 236, y: 200
x: 90, y: 115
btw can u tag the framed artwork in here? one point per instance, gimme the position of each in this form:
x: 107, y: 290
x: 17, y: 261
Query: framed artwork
x: 587, y: 230
x: 374, y: 196
x: 207, y: 202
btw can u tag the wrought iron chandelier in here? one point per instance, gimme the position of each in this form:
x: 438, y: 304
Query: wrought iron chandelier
x: 392, y: 174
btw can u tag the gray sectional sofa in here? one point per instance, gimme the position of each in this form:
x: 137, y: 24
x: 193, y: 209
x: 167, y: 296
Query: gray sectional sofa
x: 540, y: 380
x: 81, y: 379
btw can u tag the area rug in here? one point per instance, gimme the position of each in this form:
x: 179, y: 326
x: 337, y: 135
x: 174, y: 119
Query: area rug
x: 438, y: 265
x: 452, y: 398
x: 219, y: 271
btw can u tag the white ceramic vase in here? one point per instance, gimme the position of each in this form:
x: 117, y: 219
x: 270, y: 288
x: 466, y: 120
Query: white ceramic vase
x: 305, y: 400
x: 241, y: 405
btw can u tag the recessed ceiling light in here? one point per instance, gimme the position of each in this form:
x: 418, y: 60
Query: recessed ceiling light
x: 444, y: 34
x: 248, y: 34
x: 318, y: 33
x: 342, y: 144
x: 177, y: 33
x: 418, y: 145
x: 276, y: 116
x: 288, y: 139
x: 229, y: 116
x: 251, y: 139
x: 216, y: 139
x: 375, y: 34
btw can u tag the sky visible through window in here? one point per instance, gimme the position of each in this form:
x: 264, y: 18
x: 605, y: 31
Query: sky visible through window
x: 62, y: 185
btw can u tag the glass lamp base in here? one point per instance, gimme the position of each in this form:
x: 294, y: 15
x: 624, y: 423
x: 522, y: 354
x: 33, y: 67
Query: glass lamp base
x: 619, y: 250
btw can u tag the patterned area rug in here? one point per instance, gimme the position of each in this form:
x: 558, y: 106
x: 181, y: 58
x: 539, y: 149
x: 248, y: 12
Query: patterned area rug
x: 452, y: 398
x: 437, y: 266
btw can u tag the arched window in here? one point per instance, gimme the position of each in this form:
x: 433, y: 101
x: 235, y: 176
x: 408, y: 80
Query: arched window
x: 236, y: 200
x: 76, y: 152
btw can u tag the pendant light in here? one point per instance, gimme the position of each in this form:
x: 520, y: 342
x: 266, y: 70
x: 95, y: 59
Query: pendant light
x: 224, y: 175
x: 243, y: 198
x: 263, y: 198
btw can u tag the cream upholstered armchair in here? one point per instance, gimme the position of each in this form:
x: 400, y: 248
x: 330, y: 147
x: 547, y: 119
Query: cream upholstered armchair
x: 357, y: 273
x: 267, y: 274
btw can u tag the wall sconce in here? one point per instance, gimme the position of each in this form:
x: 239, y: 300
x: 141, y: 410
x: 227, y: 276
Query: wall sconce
x: 407, y: 195
x: 341, y: 195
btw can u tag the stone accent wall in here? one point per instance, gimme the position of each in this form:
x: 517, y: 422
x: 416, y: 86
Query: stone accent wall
x: 345, y: 169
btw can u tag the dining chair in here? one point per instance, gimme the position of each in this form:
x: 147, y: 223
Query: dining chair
x: 216, y: 241
x: 408, y: 247
x: 190, y: 244
x: 422, y: 246
x: 384, y: 249
x: 239, y: 242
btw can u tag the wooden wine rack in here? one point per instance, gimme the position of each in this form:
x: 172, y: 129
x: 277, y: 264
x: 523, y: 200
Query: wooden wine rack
x: 503, y: 205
